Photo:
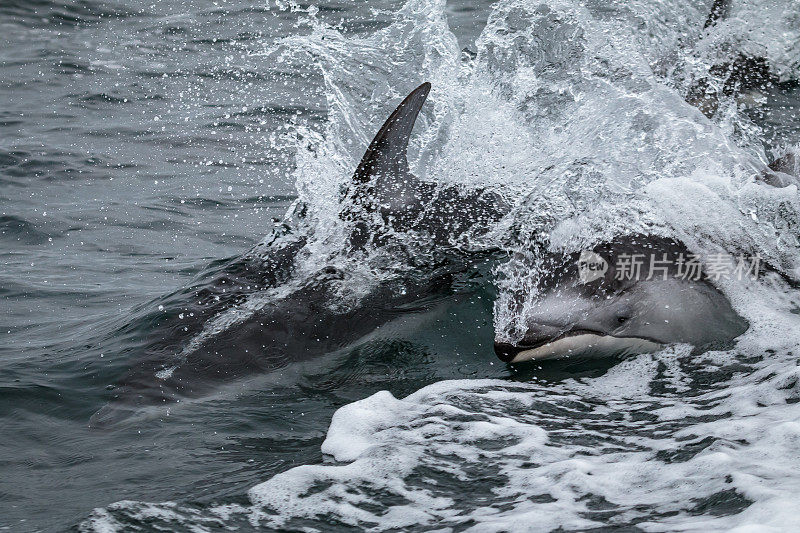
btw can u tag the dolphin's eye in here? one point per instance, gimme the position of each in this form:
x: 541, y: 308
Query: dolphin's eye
x: 622, y: 319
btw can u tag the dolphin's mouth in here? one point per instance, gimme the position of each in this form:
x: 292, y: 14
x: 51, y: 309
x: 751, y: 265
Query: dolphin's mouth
x: 575, y: 342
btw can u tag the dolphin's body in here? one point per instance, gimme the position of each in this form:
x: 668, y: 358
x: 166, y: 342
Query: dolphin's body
x: 296, y: 327
x: 185, y: 360
x: 653, y: 292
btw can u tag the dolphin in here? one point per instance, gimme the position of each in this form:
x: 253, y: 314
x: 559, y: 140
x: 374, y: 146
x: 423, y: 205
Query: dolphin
x: 231, y: 325
x: 636, y: 294
x: 571, y: 314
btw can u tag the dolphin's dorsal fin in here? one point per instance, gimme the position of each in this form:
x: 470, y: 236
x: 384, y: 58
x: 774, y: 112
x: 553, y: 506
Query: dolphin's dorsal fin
x: 387, y: 152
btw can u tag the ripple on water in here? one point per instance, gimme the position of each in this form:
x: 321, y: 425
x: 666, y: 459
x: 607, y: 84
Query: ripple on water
x: 17, y: 230
x: 49, y: 13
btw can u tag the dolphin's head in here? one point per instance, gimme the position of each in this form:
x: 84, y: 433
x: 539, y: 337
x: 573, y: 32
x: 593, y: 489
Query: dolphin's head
x: 594, y: 304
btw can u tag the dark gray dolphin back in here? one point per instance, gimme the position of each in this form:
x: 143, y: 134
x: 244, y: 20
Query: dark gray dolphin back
x: 387, y: 151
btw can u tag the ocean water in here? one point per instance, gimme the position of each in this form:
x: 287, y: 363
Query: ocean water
x: 146, y: 149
